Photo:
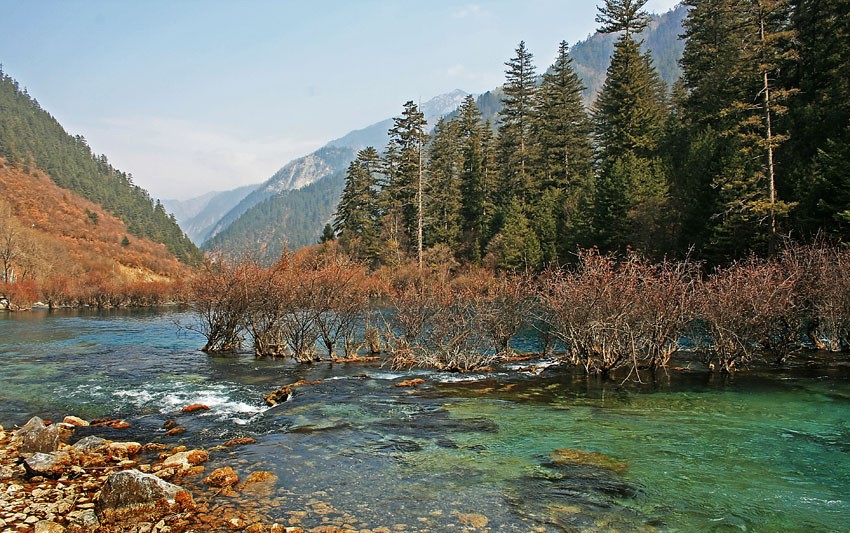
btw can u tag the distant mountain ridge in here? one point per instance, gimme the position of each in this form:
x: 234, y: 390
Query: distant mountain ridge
x: 288, y: 186
x: 238, y: 228
x: 197, y: 216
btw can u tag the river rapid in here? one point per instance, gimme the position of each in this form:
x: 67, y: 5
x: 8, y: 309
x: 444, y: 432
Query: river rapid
x: 764, y: 450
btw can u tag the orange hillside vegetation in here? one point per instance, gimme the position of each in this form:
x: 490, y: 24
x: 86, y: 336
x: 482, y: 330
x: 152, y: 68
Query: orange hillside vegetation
x: 77, y: 236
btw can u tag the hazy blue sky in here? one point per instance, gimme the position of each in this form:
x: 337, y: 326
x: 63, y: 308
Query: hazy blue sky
x: 197, y: 95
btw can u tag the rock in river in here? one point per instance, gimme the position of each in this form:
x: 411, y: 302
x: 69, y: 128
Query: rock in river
x: 222, y: 477
x: 279, y: 396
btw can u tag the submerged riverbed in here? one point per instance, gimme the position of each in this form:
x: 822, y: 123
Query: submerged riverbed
x: 765, y: 450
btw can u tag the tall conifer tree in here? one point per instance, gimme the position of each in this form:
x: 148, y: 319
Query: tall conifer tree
x: 629, y: 114
x: 358, y: 212
x: 443, y: 187
x: 564, y: 172
x: 515, y: 127
x: 403, y: 193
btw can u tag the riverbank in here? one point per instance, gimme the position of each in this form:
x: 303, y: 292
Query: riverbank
x: 48, y: 485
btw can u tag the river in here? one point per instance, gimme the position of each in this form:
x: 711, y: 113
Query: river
x: 765, y: 450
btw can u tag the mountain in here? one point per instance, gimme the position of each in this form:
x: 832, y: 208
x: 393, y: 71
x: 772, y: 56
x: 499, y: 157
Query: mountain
x: 289, y: 188
x: 661, y: 38
x: 591, y: 58
x: 376, y: 134
x: 198, y: 216
x: 56, y: 236
x: 300, y: 172
x: 30, y: 138
x: 289, y: 218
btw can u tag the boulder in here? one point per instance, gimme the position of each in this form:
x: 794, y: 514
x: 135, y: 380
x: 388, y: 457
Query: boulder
x: 91, y: 444
x: 52, y: 464
x: 131, y: 494
x: 75, y: 421
x: 222, y: 477
x: 185, y: 460
x: 123, y: 450
x: 279, y: 396
x: 36, y: 437
x: 195, y: 407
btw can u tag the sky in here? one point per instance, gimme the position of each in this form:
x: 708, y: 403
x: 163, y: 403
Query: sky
x: 191, y: 96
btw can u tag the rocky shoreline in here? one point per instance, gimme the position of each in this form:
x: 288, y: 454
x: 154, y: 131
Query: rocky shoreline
x: 50, y: 486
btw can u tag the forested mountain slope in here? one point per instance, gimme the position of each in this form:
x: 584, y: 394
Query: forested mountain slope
x: 31, y: 138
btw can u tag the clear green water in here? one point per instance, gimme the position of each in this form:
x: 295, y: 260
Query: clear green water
x: 767, y: 450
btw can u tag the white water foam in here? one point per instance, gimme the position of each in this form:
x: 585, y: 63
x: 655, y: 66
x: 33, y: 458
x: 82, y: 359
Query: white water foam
x: 221, y: 399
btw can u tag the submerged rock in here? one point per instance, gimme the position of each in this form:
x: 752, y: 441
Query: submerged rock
x: 134, y: 494
x: 36, y: 437
x: 240, y: 441
x: 569, y: 456
x: 222, y: 477
x: 410, y: 382
x: 473, y: 520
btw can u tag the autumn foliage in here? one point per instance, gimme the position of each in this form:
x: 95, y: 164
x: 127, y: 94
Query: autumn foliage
x: 60, y: 249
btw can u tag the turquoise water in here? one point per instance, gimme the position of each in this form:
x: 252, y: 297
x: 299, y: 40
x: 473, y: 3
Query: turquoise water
x: 766, y: 450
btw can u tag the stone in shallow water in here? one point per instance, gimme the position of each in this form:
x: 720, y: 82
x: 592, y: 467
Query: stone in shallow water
x: 222, y: 477
x: 90, y: 444
x: 473, y: 520
x: 566, y: 456
x: 279, y: 396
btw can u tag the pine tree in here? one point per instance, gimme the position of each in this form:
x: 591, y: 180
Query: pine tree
x: 818, y: 152
x: 475, y: 154
x: 443, y: 206
x: 515, y: 127
x: 516, y: 247
x: 358, y: 212
x: 403, y: 193
x: 734, y: 55
x: 564, y: 172
x: 561, y: 126
x: 629, y: 115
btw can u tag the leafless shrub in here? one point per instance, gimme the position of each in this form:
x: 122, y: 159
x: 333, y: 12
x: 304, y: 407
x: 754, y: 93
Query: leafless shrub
x: 269, y: 300
x: 340, y: 300
x: 747, y: 309
x: 823, y: 287
x: 220, y: 301
x: 611, y: 313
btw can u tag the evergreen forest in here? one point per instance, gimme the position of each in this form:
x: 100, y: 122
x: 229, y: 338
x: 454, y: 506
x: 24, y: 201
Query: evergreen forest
x: 30, y: 138
x: 749, y: 147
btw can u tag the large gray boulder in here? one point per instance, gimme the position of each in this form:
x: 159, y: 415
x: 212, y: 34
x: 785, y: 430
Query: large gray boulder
x: 51, y: 464
x: 134, y: 495
x: 35, y: 437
